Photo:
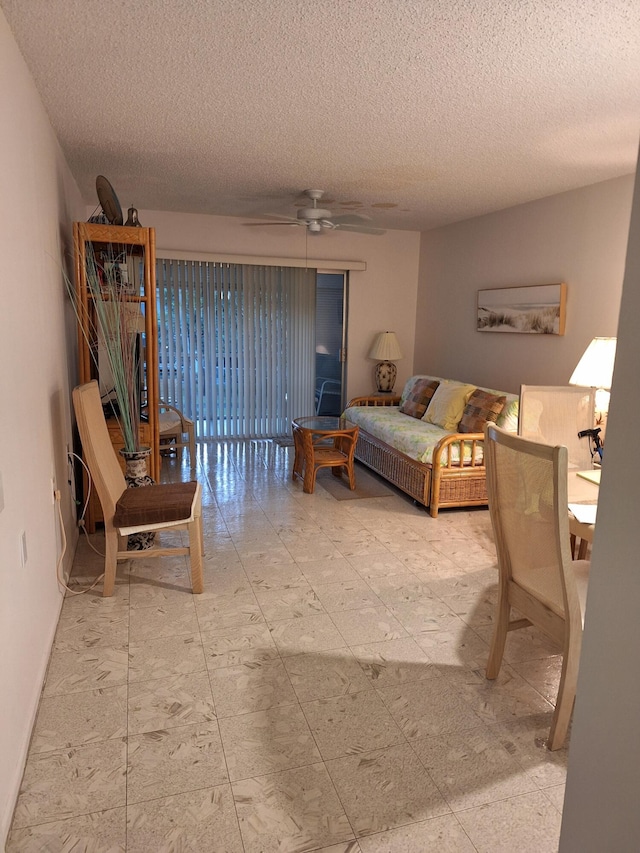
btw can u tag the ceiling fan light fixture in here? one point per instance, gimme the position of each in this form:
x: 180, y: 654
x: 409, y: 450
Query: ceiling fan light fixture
x: 309, y: 214
x: 314, y: 227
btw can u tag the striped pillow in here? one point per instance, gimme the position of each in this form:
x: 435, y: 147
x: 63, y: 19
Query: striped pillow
x: 418, y: 400
x: 481, y: 407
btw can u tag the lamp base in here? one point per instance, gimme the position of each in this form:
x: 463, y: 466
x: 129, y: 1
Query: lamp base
x: 386, y: 373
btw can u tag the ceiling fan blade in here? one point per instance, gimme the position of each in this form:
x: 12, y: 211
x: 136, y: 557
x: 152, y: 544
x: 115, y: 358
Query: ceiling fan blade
x: 318, y: 219
x: 281, y: 216
x: 362, y: 229
x: 294, y: 223
x: 352, y: 219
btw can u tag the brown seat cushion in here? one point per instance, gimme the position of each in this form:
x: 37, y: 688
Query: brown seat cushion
x: 418, y: 400
x: 156, y: 504
x: 481, y: 407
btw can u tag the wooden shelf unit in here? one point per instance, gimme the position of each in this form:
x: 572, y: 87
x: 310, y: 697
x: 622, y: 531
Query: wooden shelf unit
x: 136, y: 242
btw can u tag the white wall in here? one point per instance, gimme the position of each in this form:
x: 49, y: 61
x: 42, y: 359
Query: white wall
x: 382, y: 297
x: 578, y: 237
x: 39, y: 201
x: 601, y: 806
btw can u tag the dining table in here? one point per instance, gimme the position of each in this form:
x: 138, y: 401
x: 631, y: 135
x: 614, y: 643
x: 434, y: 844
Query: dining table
x: 583, y: 488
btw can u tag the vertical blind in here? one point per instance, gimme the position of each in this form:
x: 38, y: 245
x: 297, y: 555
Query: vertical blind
x: 236, y: 345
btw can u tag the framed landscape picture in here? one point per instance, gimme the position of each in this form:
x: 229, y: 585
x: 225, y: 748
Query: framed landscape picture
x: 537, y: 309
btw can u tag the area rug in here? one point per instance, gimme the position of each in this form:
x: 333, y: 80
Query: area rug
x: 368, y: 485
x: 283, y: 440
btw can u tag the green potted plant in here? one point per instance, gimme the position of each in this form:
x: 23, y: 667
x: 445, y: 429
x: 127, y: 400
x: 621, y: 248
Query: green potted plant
x: 111, y: 324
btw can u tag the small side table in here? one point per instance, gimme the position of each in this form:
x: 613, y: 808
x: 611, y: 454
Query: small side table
x: 323, y: 442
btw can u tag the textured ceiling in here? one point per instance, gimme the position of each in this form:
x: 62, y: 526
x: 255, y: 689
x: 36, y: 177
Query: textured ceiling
x: 417, y: 112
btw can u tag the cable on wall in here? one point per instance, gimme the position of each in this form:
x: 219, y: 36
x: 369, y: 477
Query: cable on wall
x: 81, y: 525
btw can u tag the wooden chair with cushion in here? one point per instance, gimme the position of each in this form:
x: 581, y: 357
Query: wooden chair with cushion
x: 527, y: 489
x: 170, y: 506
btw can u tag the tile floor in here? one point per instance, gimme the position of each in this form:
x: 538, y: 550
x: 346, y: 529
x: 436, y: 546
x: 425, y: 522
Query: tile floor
x: 325, y: 693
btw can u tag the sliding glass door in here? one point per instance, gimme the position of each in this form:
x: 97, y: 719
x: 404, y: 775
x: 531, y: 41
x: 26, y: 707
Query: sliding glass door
x: 236, y: 345
x: 330, y: 342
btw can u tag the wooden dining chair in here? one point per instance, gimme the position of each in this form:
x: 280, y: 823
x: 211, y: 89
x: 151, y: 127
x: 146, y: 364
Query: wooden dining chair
x: 166, y: 506
x: 527, y: 489
x: 555, y: 414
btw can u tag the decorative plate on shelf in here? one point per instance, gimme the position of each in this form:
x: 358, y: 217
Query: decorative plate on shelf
x: 109, y: 201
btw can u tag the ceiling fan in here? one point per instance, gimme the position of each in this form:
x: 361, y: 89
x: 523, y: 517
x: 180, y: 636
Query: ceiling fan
x: 318, y: 219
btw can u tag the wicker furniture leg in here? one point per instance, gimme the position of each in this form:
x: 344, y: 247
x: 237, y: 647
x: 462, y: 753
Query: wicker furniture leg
x: 298, y: 459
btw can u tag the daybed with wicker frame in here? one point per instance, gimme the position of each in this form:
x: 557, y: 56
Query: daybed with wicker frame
x: 455, y: 475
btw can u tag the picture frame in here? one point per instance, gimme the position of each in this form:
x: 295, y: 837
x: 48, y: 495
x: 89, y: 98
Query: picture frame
x: 536, y: 309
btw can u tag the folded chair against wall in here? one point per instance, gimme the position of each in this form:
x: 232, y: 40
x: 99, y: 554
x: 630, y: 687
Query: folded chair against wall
x: 176, y: 431
x: 170, y: 506
x: 527, y: 489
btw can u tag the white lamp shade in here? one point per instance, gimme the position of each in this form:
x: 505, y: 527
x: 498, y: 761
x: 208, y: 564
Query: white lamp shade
x: 595, y: 368
x: 385, y: 347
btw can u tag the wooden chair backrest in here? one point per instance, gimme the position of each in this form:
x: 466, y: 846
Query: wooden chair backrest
x: 555, y: 415
x: 99, y: 455
x: 527, y: 489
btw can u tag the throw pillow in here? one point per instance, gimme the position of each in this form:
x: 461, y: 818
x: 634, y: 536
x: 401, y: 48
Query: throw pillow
x: 418, y: 400
x: 481, y: 407
x: 447, y: 405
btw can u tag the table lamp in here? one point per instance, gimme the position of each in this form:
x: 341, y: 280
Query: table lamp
x: 385, y: 351
x: 595, y: 370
